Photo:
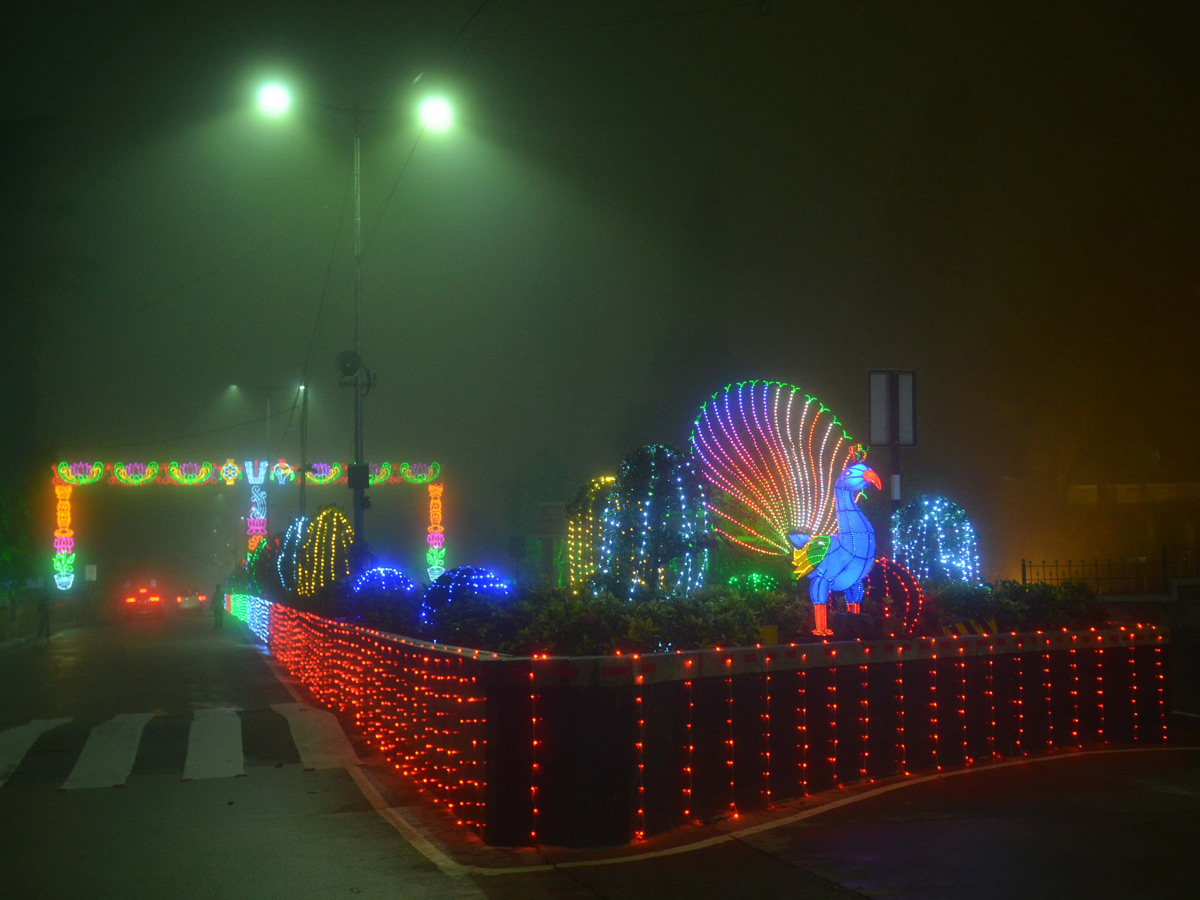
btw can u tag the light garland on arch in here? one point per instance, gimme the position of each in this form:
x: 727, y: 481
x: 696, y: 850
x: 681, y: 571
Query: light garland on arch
x: 324, y: 473
x: 256, y: 520
x: 134, y: 474
x: 64, y: 539
x: 435, y: 556
x: 190, y: 473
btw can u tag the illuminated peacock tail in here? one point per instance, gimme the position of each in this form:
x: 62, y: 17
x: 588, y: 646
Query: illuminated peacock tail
x: 770, y: 454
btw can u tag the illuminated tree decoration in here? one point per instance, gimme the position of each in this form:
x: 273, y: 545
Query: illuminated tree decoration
x: 585, y: 521
x: 466, y: 586
x: 435, y: 556
x: 324, y: 473
x: 420, y: 473
x: 379, y: 474
x: 757, y: 582
x: 655, y: 525
x: 64, y: 538
x: 898, y: 592
x: 384, y: 580
x: 289, y: 549
x: 80, y: 473
x: 134, y: 473
x: 190, y: 473
x: 933, y: 538
x: 324, y: 556
x: 770, y: 455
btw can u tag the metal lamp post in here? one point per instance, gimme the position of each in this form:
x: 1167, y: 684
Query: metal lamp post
x: 274, y: 99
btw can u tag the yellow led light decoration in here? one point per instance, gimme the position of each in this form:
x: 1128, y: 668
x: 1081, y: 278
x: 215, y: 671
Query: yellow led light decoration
x: 324, y: 556
x: 585, y: 527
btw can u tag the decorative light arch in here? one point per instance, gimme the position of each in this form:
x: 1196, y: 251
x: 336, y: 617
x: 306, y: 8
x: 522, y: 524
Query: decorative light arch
x: 261, y: 476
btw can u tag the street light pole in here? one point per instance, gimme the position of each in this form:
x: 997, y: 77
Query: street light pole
x: 359, y: 538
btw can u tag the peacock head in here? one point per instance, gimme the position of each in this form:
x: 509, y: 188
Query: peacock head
x: 857, y: 476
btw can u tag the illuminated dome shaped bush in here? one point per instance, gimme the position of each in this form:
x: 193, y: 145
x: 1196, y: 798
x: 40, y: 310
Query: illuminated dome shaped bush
x: 463, y: 602
x: 384, y: 580
x: 933, y: 538
x: 896, y: 591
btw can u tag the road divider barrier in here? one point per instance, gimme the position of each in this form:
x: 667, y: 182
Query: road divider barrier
x: 597, y: 751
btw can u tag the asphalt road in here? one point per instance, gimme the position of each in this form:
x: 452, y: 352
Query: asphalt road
x: 135, y: 693
x: 275, y: 820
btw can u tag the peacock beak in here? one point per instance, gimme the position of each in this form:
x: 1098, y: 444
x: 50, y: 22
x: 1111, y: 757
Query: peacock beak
x: 871, y: 476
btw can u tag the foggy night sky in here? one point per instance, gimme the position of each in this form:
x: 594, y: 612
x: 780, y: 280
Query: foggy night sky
x: 640, y: 202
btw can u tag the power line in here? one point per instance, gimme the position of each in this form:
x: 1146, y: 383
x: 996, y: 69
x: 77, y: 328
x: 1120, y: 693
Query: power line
x: 195, y: 434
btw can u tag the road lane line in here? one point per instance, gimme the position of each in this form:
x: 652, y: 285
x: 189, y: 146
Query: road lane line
x: 214, y: 745
x: 15, y: 743
x: 107, y: 757
x: 318, y: 737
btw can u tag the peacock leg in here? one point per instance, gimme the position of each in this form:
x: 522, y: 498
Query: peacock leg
x: 854, y: 595
x: 818, y: 593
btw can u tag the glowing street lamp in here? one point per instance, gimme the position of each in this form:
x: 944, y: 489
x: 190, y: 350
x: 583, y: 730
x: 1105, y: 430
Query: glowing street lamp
x: 436, y: 114
x: 274, y: 99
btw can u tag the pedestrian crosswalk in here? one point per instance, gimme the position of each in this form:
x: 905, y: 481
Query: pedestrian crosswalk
x: 205, y: 744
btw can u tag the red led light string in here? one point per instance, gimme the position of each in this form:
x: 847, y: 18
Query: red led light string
x: 1133, y: 688
x: 1100, y: 736
x: 1073, y: 665
x: 689, y: 747
x: 990, y: 692
x: 934, y: 719
x: 533, y: 765
x: 864, y: 719
x: 831, y: 709
x: 765, y: 725
x: 1159, y: 680
x: 961, y: 666
x: 1019, y: 701
x: 1049, y: 701
x: 733, y: 810
x: 901, y: 740
x: 639, y: 831
x: 802, y: 728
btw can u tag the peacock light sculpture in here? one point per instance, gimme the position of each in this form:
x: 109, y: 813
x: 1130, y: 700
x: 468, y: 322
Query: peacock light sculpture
x: 782, y: 481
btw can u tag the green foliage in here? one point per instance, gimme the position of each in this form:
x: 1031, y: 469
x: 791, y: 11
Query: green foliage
x: 1011, y: 605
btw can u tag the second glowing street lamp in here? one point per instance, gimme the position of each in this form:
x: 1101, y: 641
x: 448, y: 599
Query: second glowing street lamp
x: 436, y: 115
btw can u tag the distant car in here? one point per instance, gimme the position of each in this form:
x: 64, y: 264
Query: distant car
x: 192, y: 600
x: 143, y: 602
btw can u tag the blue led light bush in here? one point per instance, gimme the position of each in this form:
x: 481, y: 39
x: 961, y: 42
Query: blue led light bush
x: 468, y: 607
x: 935, y: 540
x: 654, y: 534
x: 384, y: 598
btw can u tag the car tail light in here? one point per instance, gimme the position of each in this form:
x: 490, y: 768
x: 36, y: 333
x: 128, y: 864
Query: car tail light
x: 131, y: 599
x: 154, y: 599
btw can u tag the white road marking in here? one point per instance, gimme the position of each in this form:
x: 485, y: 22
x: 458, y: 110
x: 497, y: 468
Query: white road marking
x: 108, y: 755
x: 318, y: 736
x: 214, y: 745
x: 15, y: 743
